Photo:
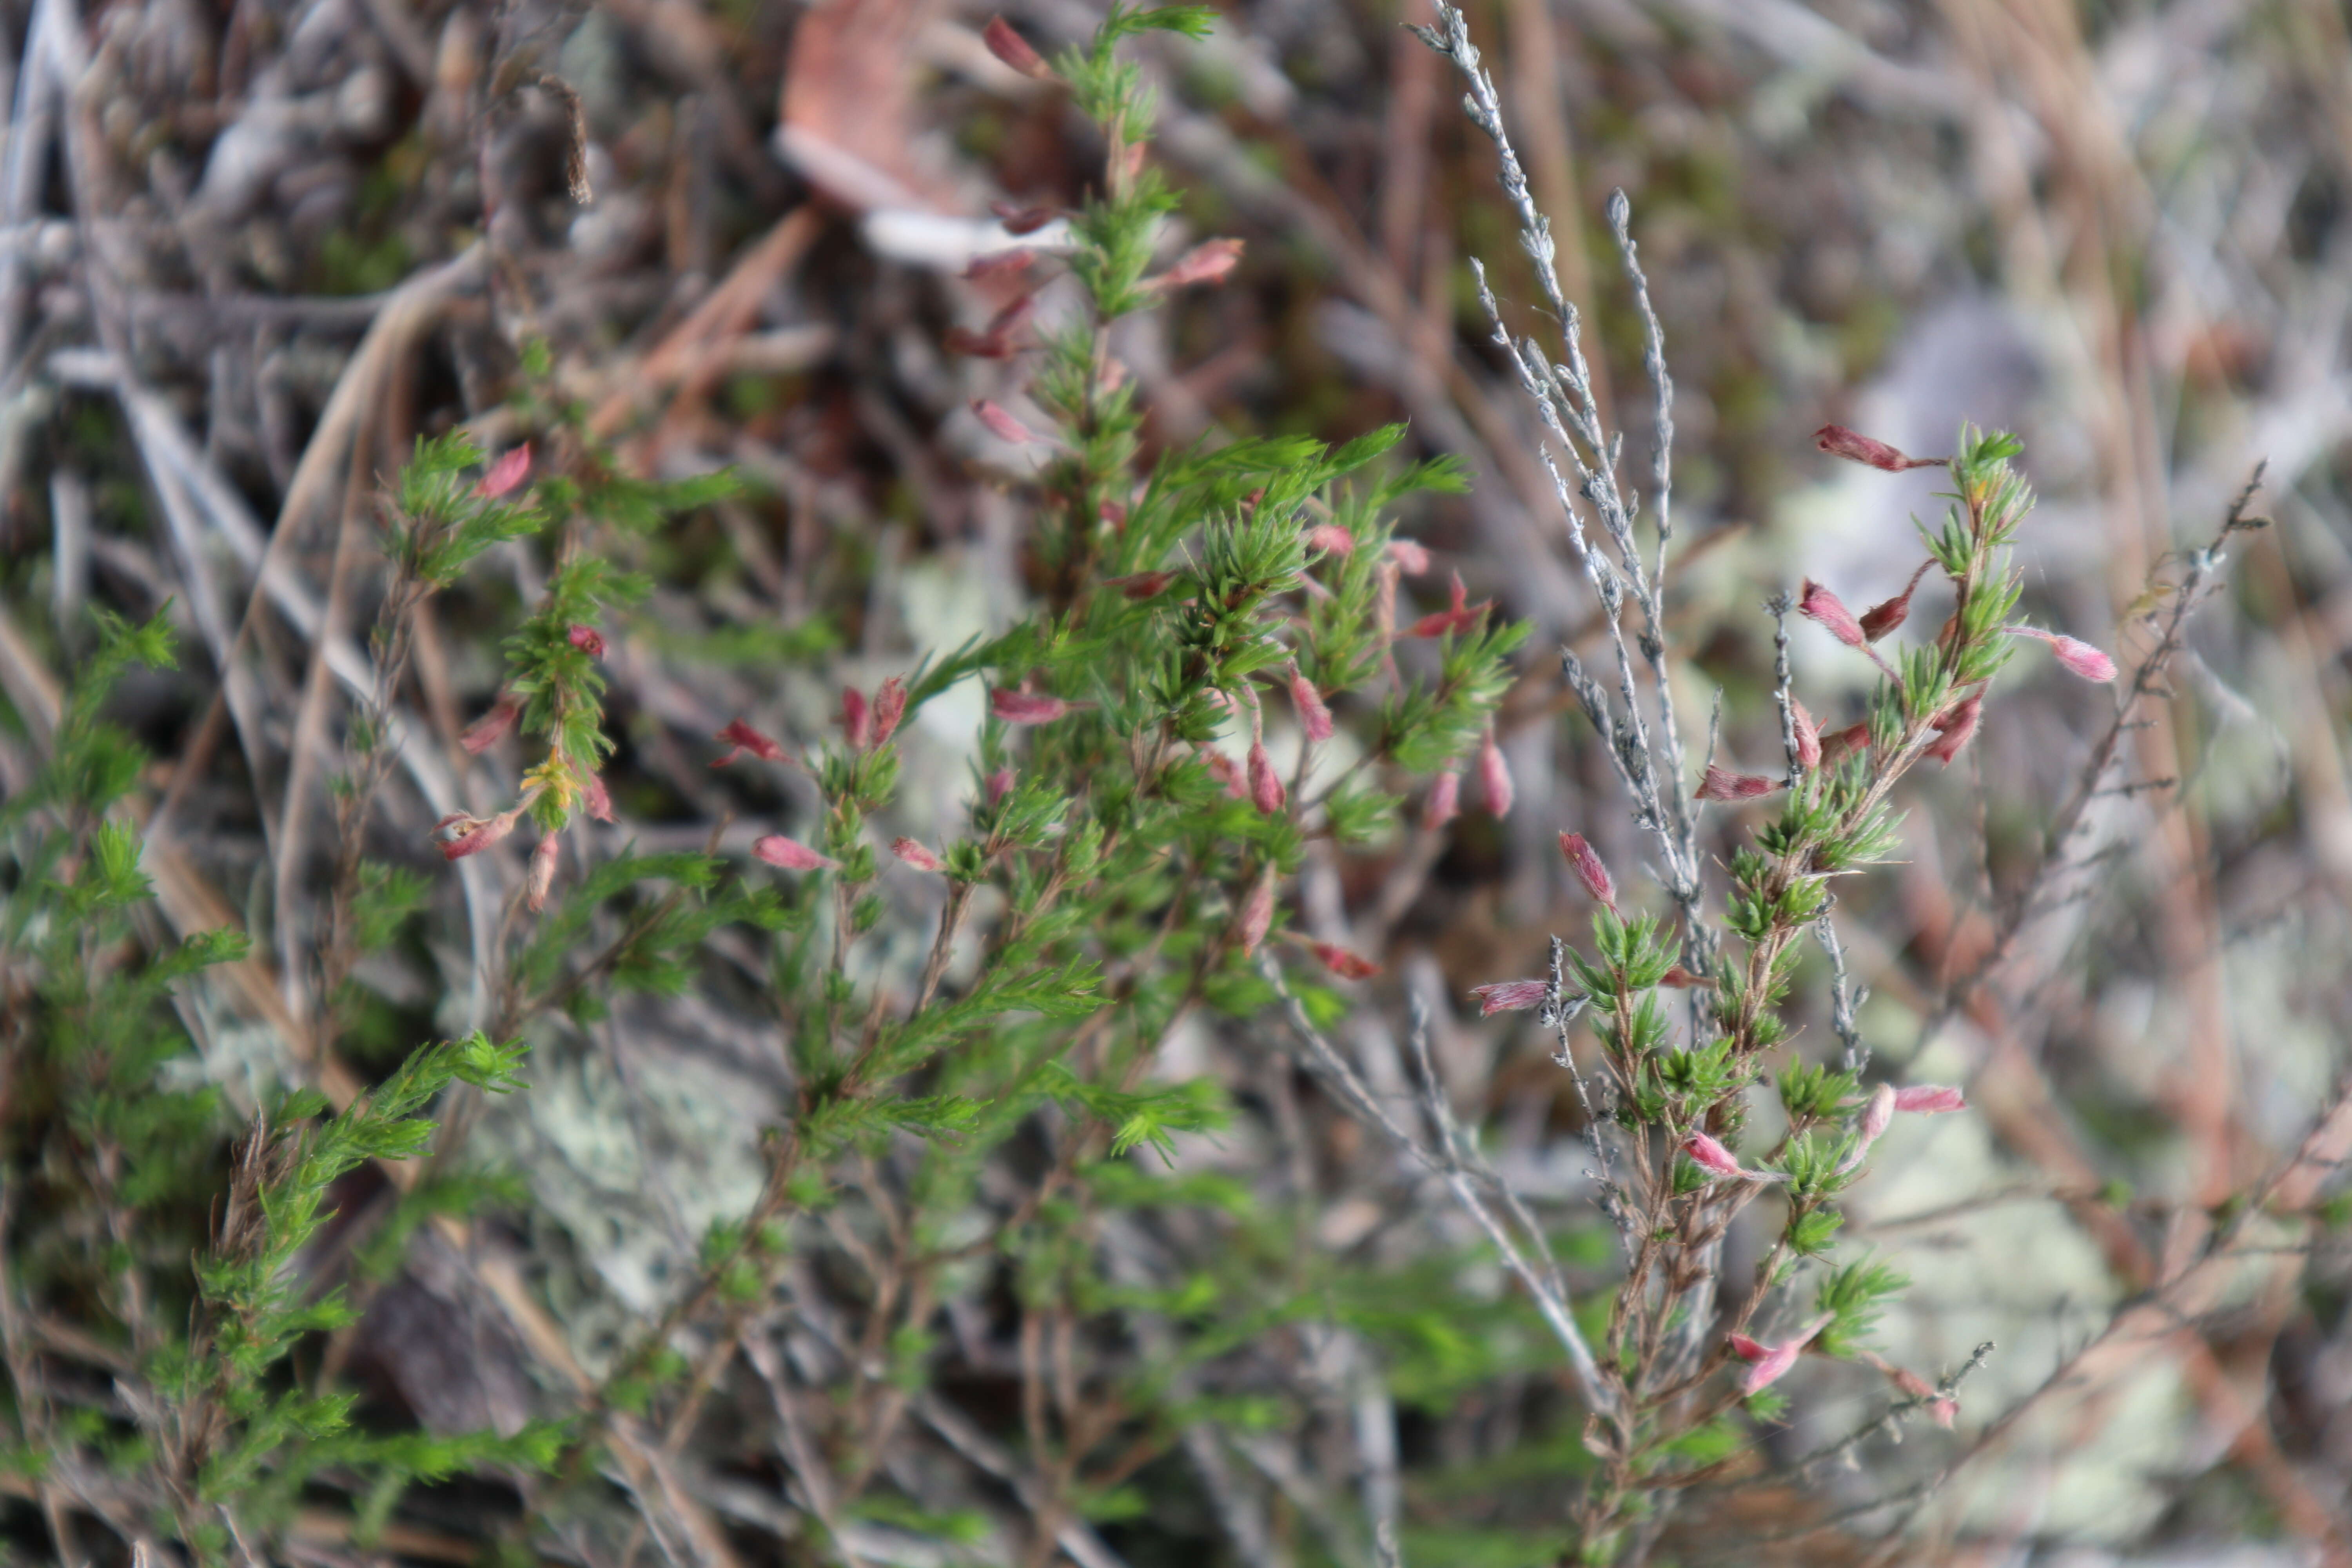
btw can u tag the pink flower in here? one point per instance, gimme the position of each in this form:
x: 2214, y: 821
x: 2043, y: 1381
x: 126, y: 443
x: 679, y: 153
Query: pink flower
x: 460, y: 834
x: 1841, y: 442
x: 1930, y: 1100
x: 1826, y: 609
x: 890, y: 707
x: 1809, y: 735
x: 1881, y: 619
x: 1714, y: 1159
x: 745, y: 738
x: 1878, y: 1113
x: 1411, y: 558
x: 1444, y: 802
x: 587, y: 640
x: 1025, y: 708
x: 1722, y: 783
x: 1511, y: 996
x: 1493, y: 776
x: 1331, y: 539
x: 1309, y: 703
x: 1924, y: 1099
x: 1458, y: 615
x: 599, y: 799
x: 1265, y: 784
x: 1221, y: 766
x: 1767, y: 1363
x: 1000, y: 785
x: 542, y: 873
x: 1677, y: 978
x: 1839, y: 744
x: 1207, y: 262
x: 2080, y: 658
x: 857, y: 720
x: 789, y: 853
x: 915, y: 855
x: 1586, y: 863
x: 1946, y: 1410
x: 492, y: 727
x: 1015, y: 50
x: 1257, y: 913
x: 1341, y: 963
x: 506, y: 476
x: 1954, y: 726
x: 1002, y: 425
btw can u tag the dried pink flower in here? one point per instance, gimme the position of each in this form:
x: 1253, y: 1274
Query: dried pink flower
x: 1677, y: 978
x: 1341, y: 963
x: 2079, y: 658
x: 1207, y: 262
x: 1809, y: 735
x: 1015, y: 50
x: 542, y: 873
x: 1493, y: 776
x: 1511, y: 996
x: 745, y: 738
x: 1025, y: 708
x: 915, y: 855
x: 1331, y: 539
x: 506, y: 476
x: 1265, y: 784
x: 1722, y: 783
x: 890, y: 707
x: 1586, y: 863
x: 1002, y: 425
x: 1000, y: 785
x: 492, y: 727
x: 1883, y: 618
x: 599, y: 799
x: 789, y: 853
x: 1930, y: 1100
x: 1257, y: 913
x: 1444, y: 802
x: 460, y: 834
x: 1825, y: 609
x: 1954, y: 727
x: 1839, y: 744
x: 999, y: 261
x: 1312, y: 714
x: 588, y: 640
x: 1714, y: 1159
x: 1768, y: 1364
x: 1841, y: 442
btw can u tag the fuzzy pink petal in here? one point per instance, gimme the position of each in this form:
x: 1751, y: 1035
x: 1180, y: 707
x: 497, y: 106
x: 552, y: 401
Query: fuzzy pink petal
x: 1930, y: 1100
x: 915, y: 855
x: 1257, y: 914
x: 1025, y: 708
x: 1331, y: 539
x: 506, y: 476
x: 1207, y: 262
x: 789, y: 853
x: 1809, y: 735
x: 1002, y: 425
x: 1412, y: 558
x: 1840, y: 442
x: 1586, y: 863
x: 542, y: 872
x: 890, y: 707
x: 1954, y: 727
x: 1315, y: 717
x: 1511, y: 996
x: 1015, y: 50
x: 2079, y: 658
x: 1722, y: 783
x: 1265, y: 784
x: 1827, y: 611
x: 1493, y: 776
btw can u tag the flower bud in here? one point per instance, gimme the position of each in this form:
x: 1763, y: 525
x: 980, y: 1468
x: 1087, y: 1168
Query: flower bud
x: 506, y: 476
x: 1257, y: 913
x: 1002, y: 425
x: 1312, y: 714
x: 1840, y: 442
x: 492, y: 727
x: 1954, y: 726
x: 745, y: 738
x: 857, y: 719
x: 1930, y: 1100
x: 587, y: 640
x: 1207, y: 262
x: 1444, y: 802
x: 1586, y: 863
x: 915, y: 855
x: 1346, y: 965
x: 1025, y: 708
x: 1265, y: 784
x: 1015, y: 50
x: 542, y: 873
x: 1722, y: 783
x: 1493, y: 776
x: 1331, y: 539
x: 1809, y: 735
x: 2079, y: 658
x: 890, y: 707
x: 1825, y: 609
x: 1881, y: 619
x: 1411, y: 558
x: 1511, y: 996
x: 790, y: 854
x: 598, y: 798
